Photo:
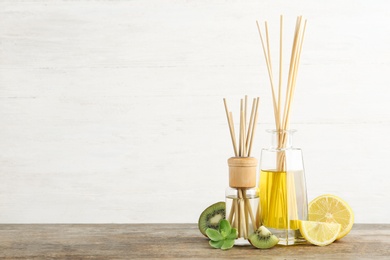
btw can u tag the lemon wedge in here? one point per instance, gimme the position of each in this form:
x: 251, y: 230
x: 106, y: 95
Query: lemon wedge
x: 332, y: 209
x: 319, y: 233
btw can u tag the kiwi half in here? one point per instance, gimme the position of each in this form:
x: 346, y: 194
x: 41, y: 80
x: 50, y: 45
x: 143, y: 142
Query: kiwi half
x: 211, y: 216
x: 263, y: 238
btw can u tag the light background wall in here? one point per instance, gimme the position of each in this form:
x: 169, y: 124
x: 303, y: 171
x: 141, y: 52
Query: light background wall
x: 111, y: 111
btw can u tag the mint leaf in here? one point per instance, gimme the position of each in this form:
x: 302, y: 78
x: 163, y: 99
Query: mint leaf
x: 216, y: 244
x: 224, y: 227
x: 227, y: 244
x: 214, y: 234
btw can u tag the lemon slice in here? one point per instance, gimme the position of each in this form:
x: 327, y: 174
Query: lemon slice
x: 332, y: 209
x: 319, y: 233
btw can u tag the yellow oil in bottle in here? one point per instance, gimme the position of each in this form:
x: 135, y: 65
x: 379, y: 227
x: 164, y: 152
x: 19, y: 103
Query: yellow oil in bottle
x: 278, y: 200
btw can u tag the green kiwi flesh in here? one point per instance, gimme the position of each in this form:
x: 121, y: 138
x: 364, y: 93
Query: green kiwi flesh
x: 211, y: 216
x: 263, y: 238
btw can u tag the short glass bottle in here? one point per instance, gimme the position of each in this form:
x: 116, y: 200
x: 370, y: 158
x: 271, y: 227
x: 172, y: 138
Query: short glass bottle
x: 242, y: 200
x: 282, y: 188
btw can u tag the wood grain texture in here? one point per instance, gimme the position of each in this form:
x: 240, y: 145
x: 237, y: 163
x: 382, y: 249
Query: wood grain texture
x: 170, y: 241
x: 106, y: 107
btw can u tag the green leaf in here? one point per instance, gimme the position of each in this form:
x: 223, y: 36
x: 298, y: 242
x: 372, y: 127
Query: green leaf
x: 223, y: 237
x: 224, y: 227
x: 227, y: 244
x: 233, y: 234
x: 214, y: 234
x: 216, y: 244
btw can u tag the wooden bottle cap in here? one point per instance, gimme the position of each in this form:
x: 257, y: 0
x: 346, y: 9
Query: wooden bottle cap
x: 242, y: 172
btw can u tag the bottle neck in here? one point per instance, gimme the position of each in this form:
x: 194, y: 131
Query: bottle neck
x: 281, y: 139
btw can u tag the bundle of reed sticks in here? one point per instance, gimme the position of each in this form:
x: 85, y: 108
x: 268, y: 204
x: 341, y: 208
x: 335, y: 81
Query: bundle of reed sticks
x: 246, y: 132
x: 282, y: 111
x: 281, y: 202
x: 241, y: 214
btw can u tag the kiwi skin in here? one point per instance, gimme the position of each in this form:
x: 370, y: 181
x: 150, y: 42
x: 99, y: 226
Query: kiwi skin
x: 211, y: 216
x: 262, y: 238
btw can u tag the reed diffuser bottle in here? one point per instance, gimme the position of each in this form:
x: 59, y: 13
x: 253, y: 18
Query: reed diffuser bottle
x: 282, y: 187
x: 242, y: 200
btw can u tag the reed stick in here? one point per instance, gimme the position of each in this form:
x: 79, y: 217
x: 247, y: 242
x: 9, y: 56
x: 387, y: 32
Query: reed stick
x: 236, y: 222
x: 231, y: 127
x: 234, y: 134
x: 254, y: 126
x: 240, y: 133
x: 246, y: 219
x: 245, y: 125
x: 243, y: 154
x: 270, y: 75
x: 250, y: 211
x: 251, y: 119
x: 280, y: 66
x: 231, y: 214
x: 268, y: 49
x: 242, y: 214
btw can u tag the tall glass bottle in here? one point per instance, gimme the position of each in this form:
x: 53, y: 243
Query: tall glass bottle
x: 282, y: 188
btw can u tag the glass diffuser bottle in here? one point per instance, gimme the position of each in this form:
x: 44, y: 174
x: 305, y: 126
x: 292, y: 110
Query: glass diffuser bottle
x: 282, y: 188
x: 242, y: 200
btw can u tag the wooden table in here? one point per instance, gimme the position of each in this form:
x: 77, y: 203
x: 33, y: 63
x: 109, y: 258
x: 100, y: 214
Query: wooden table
x: 169, y: 241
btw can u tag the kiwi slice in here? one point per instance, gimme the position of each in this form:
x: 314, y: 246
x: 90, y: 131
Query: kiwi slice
x: 263, y: 238
x: 211, y: 216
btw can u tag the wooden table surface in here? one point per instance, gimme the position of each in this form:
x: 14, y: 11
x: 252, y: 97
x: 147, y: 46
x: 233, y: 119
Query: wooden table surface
x: 170, y: 241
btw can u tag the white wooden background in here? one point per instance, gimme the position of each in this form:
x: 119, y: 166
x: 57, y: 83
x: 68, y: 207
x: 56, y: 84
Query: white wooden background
x: 111, y: 111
